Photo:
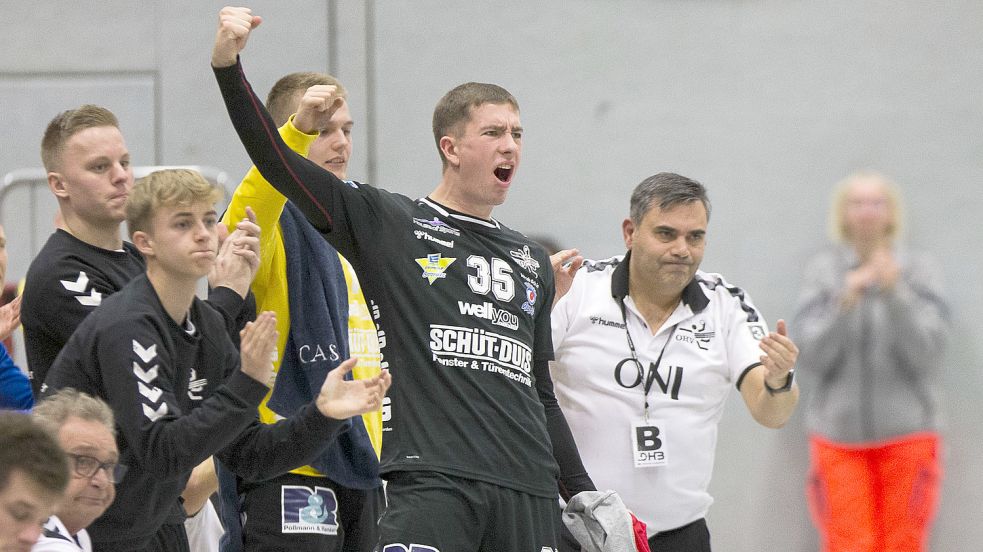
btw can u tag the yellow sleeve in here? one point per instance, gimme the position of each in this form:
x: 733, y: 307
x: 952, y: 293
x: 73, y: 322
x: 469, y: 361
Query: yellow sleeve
x: 254, y: 191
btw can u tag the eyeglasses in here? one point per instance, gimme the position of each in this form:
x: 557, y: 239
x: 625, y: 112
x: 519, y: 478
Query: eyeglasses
x: 87, y: 466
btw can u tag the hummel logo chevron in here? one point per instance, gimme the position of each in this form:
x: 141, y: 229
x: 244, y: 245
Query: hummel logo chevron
x: 78, y: 286
x: 93, y: 299
x: 146, y: 376
x: 146, y: 354
x: 154, y: 414
x: 152, y: 393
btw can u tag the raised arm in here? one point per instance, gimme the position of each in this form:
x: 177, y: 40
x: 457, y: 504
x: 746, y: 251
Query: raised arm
x: 309, y: 186
x: 257, y: 194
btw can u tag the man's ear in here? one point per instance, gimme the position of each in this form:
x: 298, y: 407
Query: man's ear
x: 144, y: 243
x: 627, y: 231
x: 56, y: 182
x: 449, y: 148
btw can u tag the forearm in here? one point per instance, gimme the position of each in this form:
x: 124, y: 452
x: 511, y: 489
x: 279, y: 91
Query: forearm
x: 920, y: 320
x: 263, y: 451
x: 290, y: 173
x: 768, y: 408
x: 256, y: 192
x: 573, y: 475
x: 201, y: 485
x: 236, y: 310
x: 171, y: 442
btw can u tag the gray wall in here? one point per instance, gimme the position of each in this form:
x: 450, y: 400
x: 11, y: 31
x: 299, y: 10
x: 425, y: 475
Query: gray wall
x: 768, y: 102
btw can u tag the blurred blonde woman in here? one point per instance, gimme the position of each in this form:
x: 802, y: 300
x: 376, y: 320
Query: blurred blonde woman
x: 872, y: 325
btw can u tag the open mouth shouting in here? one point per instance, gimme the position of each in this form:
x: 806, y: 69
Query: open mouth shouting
x: 504, y: 172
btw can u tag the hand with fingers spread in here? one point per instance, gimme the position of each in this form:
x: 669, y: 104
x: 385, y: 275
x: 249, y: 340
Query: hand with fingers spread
x: 234, y: 26
x: 9, y: 317
x: 257, y: 343
x: 317, y: 106
x: 780, y: 355
x: 340, y: 398
x: 565, y: 265
x: 238, y: 256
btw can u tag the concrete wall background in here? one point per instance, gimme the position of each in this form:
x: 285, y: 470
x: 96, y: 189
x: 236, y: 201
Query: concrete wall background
x: 767, y: 102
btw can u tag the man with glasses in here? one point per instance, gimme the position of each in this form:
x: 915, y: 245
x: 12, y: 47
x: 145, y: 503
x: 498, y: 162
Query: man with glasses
x: 84, y: 427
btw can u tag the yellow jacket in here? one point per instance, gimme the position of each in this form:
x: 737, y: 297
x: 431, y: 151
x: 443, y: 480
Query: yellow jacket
x: 270, y: 283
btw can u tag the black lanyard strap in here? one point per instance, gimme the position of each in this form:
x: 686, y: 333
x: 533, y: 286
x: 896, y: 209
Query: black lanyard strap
x: 646, y: 383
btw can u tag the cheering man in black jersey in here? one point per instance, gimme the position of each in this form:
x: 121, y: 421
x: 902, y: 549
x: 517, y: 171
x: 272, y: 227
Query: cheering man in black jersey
x: 475, y: 441
x: 163, y: 361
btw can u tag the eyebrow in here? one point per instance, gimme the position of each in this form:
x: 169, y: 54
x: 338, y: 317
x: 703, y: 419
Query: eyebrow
x: 90, y: 450
x: 663, y: 227
x: 501, y: 127
x: 190, y: 214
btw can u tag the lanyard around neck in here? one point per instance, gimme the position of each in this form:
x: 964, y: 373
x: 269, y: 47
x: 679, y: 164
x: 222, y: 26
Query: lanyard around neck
x: 646, y: 383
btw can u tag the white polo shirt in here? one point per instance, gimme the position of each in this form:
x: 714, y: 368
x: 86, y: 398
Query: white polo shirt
x: 707, y: 345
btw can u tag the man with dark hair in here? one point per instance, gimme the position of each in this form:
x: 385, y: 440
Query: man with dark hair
x: 647, y: 349
x: 85, y: 430
x: 320, y: 307
x: 33, y: 476
x: 179, y: 388
x: 475, y: 443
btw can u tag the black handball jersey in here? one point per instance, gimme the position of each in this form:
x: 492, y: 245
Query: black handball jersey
x: 462, y: 311
x: 67, y: 280
x: 178, y: 397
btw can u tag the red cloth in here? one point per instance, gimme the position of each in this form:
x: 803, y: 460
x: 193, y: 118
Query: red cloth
x: 641, y: 534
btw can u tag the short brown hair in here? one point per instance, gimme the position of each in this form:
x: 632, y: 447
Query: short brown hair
x: 280, y: 101
x: 56, y: 409
x: 454, y: 109
x: 166, y: 188
x: 27, y: 447
x: 65, y: 125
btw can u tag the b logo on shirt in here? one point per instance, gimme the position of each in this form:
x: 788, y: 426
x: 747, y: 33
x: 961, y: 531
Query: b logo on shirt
x: 647, y: 444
